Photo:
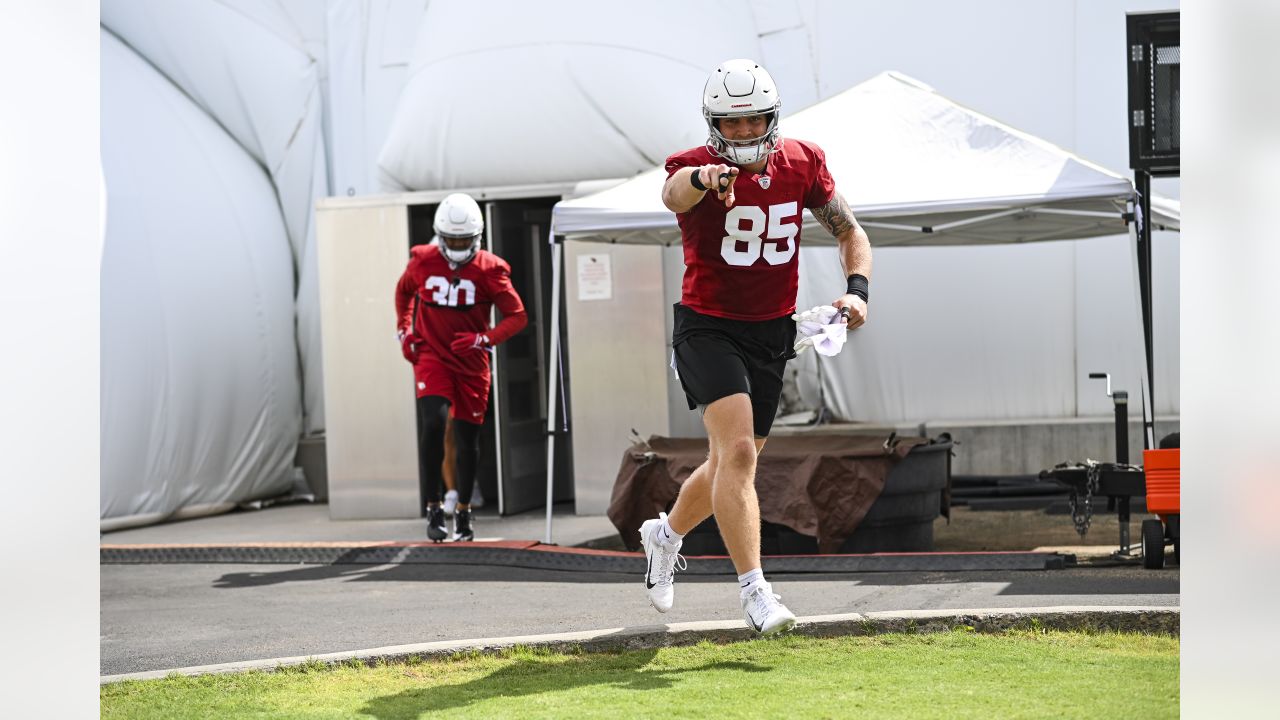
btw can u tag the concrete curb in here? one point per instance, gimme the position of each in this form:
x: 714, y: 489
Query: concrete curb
x: 1145, y: 619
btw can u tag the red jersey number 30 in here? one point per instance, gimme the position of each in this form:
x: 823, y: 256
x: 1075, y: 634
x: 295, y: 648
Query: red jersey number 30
x: 754, y: 233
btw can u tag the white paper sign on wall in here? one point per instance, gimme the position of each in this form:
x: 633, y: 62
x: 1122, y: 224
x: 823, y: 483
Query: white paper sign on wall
x: 595, y: 277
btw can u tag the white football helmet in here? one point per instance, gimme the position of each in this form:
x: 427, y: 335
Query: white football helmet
x: 458, y: 225
x: 741, y: 87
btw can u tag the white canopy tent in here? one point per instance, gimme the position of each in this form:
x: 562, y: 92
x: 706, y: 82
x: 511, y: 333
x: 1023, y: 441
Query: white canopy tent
x: 917, y: 168
x: 921, y: 169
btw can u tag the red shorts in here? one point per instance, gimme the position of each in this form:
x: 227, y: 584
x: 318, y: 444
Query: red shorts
x: 467, y: 393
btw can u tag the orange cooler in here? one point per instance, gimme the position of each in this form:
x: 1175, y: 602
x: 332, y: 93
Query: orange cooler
x: 1163, y: 471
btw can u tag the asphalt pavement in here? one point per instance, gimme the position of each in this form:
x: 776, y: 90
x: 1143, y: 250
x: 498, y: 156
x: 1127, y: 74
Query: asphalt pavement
x: 157, y: 617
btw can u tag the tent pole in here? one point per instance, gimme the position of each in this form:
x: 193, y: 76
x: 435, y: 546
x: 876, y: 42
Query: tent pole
x: 1143, y: 183
x: 553, y: 373
x: 980, y: 219
x: 1076, y: 213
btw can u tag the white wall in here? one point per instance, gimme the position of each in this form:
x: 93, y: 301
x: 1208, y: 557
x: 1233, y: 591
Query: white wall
x: 616, y: 368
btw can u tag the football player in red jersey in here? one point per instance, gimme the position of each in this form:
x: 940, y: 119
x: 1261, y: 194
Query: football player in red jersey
x: 739, y: 201
x: 443, y: 301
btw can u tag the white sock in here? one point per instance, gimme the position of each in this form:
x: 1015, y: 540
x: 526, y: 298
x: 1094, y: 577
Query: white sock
x: 748, y: 580
x: 666, y: 535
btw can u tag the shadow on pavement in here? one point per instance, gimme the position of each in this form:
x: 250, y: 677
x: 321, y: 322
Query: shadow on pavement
x: 1077, y: 581
x: 532, y: 677
x: 432, y: 573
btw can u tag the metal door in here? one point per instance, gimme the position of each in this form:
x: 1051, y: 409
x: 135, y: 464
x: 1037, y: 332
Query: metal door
x: 519, y: 235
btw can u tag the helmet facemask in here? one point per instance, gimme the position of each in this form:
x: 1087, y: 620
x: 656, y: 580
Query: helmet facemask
x: 458, y: 249
x: 743, y: 152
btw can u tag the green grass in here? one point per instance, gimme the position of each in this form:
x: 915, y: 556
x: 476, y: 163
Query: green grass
x: 948, y: 675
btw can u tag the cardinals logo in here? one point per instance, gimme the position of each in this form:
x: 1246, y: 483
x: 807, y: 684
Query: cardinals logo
x: 764, y: 181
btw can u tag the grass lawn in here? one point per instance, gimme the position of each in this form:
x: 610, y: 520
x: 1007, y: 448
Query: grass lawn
x: 947, y: 675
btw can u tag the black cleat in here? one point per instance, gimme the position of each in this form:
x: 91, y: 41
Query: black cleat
x: 462, y: 530
x: 436, y: 531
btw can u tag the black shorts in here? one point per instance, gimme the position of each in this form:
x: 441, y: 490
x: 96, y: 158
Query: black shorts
x: 716, y: 357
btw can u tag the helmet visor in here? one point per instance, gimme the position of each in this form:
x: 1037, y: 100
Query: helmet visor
x: 764, y: 127
x: 459, y: 242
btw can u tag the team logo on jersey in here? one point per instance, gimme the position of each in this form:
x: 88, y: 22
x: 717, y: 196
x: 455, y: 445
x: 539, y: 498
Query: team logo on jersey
x: 764, y: 181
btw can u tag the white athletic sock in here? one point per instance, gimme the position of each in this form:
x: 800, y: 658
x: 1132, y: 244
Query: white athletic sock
x: 748, y: 580
x: 666, y: 535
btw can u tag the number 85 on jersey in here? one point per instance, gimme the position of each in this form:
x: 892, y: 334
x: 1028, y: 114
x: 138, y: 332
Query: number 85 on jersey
x: 754, y: 233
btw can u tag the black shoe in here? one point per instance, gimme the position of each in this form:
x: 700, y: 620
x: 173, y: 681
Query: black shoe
x: 462, y: 530
x: 436, y: 531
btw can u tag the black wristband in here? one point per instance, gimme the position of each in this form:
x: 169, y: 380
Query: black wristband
x: 859, y: 285
x: 696, y: 181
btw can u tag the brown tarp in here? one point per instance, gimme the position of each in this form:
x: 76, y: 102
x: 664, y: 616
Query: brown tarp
x: 818, y: 485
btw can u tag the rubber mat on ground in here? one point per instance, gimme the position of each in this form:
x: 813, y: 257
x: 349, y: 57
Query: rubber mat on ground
x: 536, y: 556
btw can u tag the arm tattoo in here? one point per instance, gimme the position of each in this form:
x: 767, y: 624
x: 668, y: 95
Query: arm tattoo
x: 835, y: 216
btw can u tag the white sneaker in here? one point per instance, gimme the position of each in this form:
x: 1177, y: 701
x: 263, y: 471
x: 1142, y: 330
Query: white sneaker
x: 450, y: 502
x: 477, y: 500
x: 663, y: 562
x: 764, y: 613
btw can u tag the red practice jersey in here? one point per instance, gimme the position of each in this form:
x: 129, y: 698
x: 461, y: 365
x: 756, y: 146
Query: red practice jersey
x: 743, y: 262
x: 437, y: 301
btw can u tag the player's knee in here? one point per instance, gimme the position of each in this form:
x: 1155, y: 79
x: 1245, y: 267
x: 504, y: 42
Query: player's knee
x: 738, y: 453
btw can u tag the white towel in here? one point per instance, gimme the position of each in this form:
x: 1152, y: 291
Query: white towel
x: 817, y: 331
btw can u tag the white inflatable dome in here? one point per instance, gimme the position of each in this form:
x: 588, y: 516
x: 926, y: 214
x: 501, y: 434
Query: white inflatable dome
x: 509, y: 94
x: 200, y: 385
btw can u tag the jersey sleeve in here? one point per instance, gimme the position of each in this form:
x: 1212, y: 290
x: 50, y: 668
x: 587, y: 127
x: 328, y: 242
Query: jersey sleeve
x: 406, y: 288
x: 823, y: 187
x: 681, y: 160
x: 508, y: 302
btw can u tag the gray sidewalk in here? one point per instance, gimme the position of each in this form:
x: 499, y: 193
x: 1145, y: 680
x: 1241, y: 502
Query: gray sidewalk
x: 156, y: 617
x: 310, y: 523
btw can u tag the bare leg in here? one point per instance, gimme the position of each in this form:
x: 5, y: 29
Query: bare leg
x: 694, y: 503
x: 733, y: 489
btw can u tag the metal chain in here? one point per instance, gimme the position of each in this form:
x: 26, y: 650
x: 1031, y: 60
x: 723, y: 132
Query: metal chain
x: 1082, y: 508
x: 1082, y: 517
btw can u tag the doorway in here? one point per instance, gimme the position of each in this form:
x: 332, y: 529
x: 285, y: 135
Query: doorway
x: 513, y: 451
